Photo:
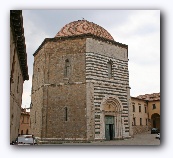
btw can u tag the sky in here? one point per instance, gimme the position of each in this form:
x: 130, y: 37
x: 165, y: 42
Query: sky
x: 139, y: 29
x: 133, y: 29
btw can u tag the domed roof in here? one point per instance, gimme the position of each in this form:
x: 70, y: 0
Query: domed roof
x: 83, y: 27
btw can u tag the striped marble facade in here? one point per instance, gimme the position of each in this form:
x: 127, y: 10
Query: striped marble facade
x: 117, y: 86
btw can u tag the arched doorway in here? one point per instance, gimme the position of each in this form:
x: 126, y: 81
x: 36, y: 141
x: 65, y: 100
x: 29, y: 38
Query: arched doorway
x: 112, y: 118
x: 155, y: 120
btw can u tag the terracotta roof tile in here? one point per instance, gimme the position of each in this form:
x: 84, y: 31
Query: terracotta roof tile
x: 83, y: 27
x: 150, y: 97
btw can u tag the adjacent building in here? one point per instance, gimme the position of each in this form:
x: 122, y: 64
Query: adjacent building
x: 139, y: 116
x: 18, y: 70
x: 153, y: 102
x: 80, y: 86
x: 145, y: 112
x: 24, y: 122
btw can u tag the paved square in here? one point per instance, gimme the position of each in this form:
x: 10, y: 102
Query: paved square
x: 139, y: 139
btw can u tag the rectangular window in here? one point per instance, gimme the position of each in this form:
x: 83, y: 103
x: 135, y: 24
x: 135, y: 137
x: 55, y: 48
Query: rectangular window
x: 139, y: 108
x: 133, y: 108
x: 146, y: 122
x: 145, y: 109
x: 141, y: 121
x: 134, y: 121
x: 154, y: 106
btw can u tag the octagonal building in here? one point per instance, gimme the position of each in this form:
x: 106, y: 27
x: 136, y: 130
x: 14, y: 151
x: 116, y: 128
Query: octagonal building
x: 80, y: 86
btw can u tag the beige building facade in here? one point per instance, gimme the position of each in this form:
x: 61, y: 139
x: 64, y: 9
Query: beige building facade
x: 154, y: 113
x: 153, y: 101
x: 80, y: 86
x: 139, y: 109
x: 18, y: 70
x: 145, y: 112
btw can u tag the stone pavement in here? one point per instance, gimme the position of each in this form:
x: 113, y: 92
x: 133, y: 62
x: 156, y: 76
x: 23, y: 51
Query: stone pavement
x: 139, y: 139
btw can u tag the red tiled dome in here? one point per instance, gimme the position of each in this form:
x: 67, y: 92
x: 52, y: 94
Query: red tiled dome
x: 83, y: 27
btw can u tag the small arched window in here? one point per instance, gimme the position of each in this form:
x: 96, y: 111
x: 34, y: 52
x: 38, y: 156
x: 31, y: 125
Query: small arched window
x: 109, y: 65
x: 67, y: 68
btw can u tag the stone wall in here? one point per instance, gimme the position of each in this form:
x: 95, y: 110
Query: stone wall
x: 107, y: 49
x: 139, y: 129
x: 98, y: 54
x: 36, y: 112
x: 69, y: 106
x: 70, y: 124
x: 16, y: 90
x: 62, y: 103
x: 37, y: 98
x: 90, y: 111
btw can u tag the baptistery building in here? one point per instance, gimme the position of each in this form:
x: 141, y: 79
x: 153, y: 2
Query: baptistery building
x: 80, y: 86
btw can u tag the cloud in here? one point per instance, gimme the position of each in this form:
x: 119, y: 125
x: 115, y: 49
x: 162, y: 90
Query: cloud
x: 139, y: 29
x: 144, y: 79
x: 145, y: 49
x: 34, y: 36
x: 140, y: 22
x: 141, y: 32
x: 26, y: 97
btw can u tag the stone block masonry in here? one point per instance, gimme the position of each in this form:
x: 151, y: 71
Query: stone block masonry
x: 61, y: 110
x: 97, y: 73
x: 72, y: 93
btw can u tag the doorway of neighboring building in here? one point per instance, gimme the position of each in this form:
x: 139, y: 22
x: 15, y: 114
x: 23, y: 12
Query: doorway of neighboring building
x: 155, y: 120
x: 109, y: 127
